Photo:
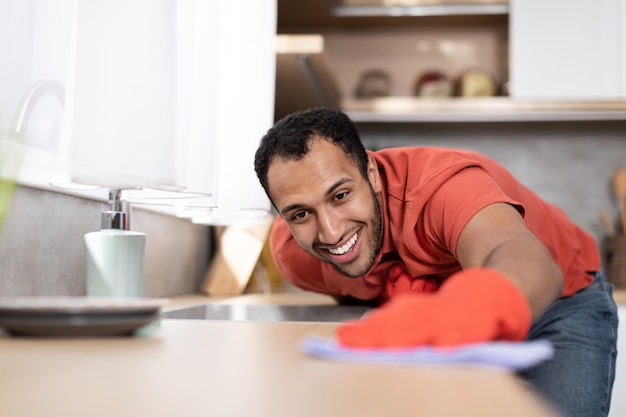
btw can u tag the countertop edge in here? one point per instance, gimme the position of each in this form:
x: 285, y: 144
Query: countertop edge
x: 188, y: 300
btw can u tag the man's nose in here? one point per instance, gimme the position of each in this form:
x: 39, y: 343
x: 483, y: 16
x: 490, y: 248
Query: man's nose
x: 329, y: 228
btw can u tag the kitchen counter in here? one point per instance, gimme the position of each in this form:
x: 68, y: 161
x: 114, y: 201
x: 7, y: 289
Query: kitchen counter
x: 200, y: 368
x: 293, y: 298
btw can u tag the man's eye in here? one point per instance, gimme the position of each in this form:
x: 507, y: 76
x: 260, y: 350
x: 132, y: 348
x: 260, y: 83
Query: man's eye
x: 299, y: 215
x: 341, y: 196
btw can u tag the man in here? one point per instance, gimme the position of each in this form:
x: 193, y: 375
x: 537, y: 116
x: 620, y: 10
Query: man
x: 448, y: 243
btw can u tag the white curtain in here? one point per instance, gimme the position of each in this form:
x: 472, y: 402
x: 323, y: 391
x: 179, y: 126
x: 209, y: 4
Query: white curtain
x: 167, y: 98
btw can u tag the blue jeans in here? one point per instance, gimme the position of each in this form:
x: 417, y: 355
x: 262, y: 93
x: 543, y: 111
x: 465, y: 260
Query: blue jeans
x: 578, y: 381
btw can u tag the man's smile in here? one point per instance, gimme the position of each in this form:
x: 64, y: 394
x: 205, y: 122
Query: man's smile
x: 345, y: 248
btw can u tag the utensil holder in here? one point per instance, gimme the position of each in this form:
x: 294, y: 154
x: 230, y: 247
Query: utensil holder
x: 615, y: 261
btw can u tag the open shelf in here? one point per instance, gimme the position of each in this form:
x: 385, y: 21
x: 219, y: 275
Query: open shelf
x: 487, y: 109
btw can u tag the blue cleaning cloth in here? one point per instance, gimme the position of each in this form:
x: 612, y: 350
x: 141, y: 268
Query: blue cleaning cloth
x: 511, y: 356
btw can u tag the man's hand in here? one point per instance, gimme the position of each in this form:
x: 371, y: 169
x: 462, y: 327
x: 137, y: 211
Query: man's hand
x: 399, y: 281
x: 474, y: 305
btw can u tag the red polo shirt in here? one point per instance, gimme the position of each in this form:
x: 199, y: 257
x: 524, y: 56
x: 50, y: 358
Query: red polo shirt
x: 429, y: 194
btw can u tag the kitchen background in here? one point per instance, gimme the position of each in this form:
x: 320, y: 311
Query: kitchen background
x: 548, y: 105
x: 566, y: 155
x: 554, y: 77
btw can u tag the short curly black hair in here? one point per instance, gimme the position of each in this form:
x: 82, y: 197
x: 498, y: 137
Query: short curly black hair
x: 291, y: 136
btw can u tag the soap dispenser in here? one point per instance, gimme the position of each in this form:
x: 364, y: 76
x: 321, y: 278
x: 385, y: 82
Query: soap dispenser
x: 114, y: 255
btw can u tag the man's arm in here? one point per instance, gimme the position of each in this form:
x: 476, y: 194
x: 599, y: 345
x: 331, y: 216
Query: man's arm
x: 497, y: 238
x: 508, y: 279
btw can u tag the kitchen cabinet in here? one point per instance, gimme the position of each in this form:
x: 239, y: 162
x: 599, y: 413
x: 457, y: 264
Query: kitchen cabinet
x: 568, y: 49
x: 572, y: 87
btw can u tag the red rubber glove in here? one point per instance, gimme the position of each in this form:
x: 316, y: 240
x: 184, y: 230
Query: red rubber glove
x: 474, y: 305
x: 400, y: 282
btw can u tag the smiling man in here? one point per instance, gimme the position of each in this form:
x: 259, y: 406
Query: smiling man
x: 347, y: 230
x: 452, y: 248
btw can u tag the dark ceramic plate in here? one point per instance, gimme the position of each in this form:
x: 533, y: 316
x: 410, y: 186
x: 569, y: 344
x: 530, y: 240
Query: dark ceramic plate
x: 77, y: 316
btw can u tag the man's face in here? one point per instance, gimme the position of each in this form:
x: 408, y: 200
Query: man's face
x: 332, y: 211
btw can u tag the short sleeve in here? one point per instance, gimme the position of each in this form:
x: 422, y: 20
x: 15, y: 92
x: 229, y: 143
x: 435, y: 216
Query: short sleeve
x: 455, y: 202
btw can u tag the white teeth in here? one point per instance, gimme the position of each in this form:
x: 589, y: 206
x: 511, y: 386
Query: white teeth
x: 345, y: 248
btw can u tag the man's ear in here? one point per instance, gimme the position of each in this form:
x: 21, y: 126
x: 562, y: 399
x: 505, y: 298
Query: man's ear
x: 372, y: 174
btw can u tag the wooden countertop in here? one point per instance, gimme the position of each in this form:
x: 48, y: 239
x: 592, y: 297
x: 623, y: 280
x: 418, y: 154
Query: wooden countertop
x: 199, y: 368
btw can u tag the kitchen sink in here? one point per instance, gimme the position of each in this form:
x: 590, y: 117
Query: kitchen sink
x: 268, y: 312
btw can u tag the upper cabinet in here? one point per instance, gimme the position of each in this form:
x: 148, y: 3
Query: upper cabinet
x: 474, y: 60
x: 568, y: 49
